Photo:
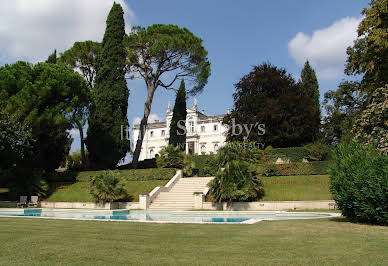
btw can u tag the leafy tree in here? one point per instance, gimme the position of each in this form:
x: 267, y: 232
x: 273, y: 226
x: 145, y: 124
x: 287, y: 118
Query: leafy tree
x: 52, y: 59
x: 371, y: 126
x: 369, y: 54
x: 16, y: 149
x: 310, y: 87
x: 174, y: 157
x: 82, y: 57
x: 42, y: 96
x: 179, y: 114
x: 108, y: 113
x: 237, y: 182
x: 270, y: 97
x: 160, y: 55
x: 342, y: 107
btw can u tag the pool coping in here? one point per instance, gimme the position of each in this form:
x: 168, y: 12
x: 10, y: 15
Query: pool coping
x: 249, y: 221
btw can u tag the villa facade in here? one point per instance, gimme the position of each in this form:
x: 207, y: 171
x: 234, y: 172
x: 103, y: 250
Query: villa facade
x: 205, y: 134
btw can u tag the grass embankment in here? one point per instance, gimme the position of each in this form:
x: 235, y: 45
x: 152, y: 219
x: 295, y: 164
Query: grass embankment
x: 135, y: 182
x: 309, y: 187
x: 27, y: 241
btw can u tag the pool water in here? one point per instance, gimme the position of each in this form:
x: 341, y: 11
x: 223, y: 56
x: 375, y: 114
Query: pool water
x: 216, y: 217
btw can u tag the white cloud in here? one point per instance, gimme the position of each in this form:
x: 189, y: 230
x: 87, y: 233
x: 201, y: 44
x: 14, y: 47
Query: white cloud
x: 151, y: 118
x: 32, y: 29
x: 326, y: 47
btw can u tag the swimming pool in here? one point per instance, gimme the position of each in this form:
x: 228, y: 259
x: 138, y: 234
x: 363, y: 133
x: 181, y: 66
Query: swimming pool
x: 214, y: 217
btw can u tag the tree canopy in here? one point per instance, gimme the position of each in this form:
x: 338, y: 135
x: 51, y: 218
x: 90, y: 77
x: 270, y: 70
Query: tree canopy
x: 108, y: 112
x: 41, y: 96
x: 82, y: 56
x: 269, y: 96
x: 369, y: 54
x: 160, y: 55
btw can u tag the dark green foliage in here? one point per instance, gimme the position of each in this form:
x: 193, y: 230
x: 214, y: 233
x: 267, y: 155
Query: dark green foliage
x: 359, y: 183
x: 291, y: 169
x: 108, y: 113
x: 342, y: 106
x: 35, y: 185
x: 145, y: 164
x: 42, y: 96
x: 237, y: 182
x: 369, y: 54
x: 309, y: 86
x: 316, y: 151
x: 206, y: 164
x: 178, y: 135
x: 16, y: 150
x: 74, y: 162
x: 173, y: 157
x: 270, y: 96
x: 52, y: 59
x: 161, y: 55
x: 82, y: 56
x: 244, y: 151
x: 107, y: 187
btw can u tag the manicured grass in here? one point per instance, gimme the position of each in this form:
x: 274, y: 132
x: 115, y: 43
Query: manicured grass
x: 282, y: 188
x: 27, y: 241
x: 135, y: 182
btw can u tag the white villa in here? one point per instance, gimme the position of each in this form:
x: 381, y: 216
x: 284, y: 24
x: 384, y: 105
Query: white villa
x: 205, y: 134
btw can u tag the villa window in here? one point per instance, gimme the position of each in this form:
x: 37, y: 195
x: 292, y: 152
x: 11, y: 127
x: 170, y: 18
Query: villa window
x: 215, y: 127
x: 215, y: 148
x: 151, y: 134
x: 163, y: 133
x: 191, y: 126
x: 202, y: 129
x: 152, y: 153
x: 203, y: 149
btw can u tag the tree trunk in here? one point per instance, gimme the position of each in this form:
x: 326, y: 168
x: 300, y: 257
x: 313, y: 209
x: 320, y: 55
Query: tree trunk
x: 143, y: 125
x: 82, y: 140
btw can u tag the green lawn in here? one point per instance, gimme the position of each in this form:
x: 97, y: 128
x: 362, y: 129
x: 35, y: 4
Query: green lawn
x: 27, y: 241
x: 310, y: 187
x: 135, y: 181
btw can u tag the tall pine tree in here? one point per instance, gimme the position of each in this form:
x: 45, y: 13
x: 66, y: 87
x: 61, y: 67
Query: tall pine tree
x: 108, y: 113
x: 178, y: 135
x: 310, y: 87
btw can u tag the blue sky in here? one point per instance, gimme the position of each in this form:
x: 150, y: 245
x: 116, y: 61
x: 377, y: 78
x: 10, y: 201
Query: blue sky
x: 237, y: 35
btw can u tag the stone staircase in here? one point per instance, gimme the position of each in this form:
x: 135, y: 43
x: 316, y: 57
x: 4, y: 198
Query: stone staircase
x: 181, y: 196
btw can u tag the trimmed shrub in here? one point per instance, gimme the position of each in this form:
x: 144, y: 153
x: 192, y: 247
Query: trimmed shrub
x: 145, y: 164
x: 316, y: 151
x: 107, y: 187
x: 237, y: 182
x: 359, y: 183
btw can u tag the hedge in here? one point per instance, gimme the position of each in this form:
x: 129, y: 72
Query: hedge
x: 310, y: 168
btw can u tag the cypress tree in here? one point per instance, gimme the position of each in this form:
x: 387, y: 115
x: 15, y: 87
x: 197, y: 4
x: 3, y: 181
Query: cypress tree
x: 178, y: 135
x: 108, y: 113
x: 310, y: 87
